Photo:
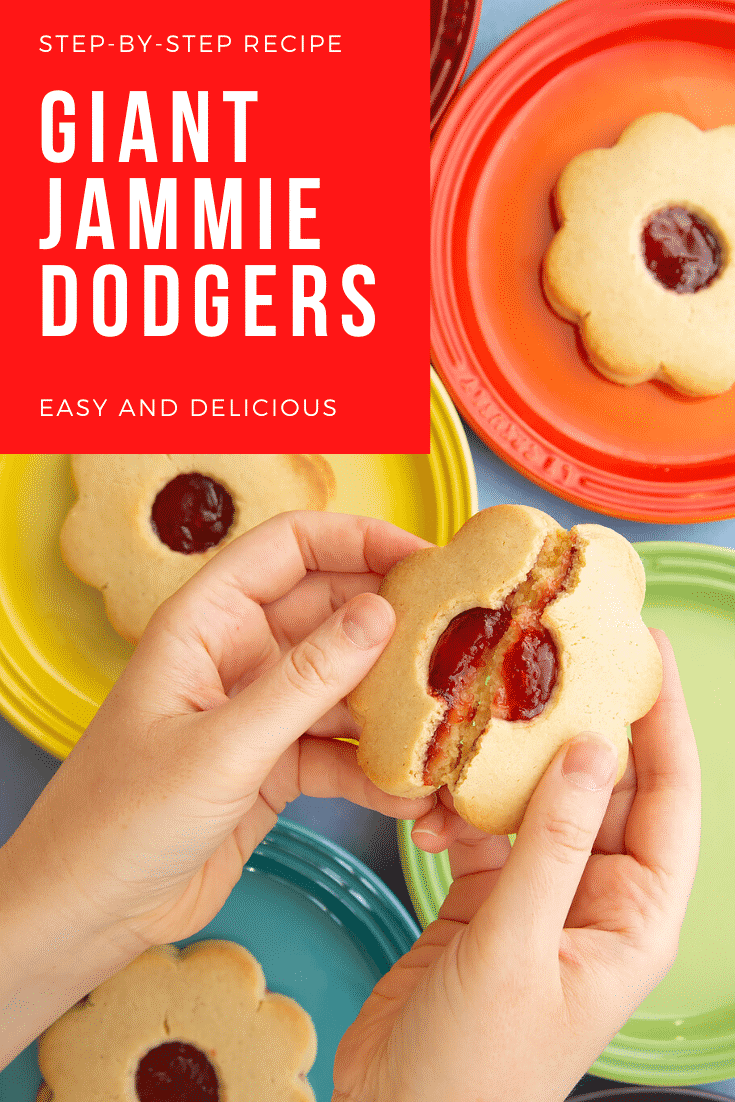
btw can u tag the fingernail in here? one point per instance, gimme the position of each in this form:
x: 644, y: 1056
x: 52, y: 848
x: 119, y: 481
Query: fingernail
x: 368, y: 620
x: 432, y: 823
x: 590, y: 762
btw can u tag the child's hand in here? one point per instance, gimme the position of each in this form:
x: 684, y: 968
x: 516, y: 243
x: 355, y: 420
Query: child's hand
x: 540, y: 952
x: 196, y: 750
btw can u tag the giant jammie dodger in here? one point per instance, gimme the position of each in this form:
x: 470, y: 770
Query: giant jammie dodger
x: 196, y: 1025
x: 509, y: 641
x: 642, y: 260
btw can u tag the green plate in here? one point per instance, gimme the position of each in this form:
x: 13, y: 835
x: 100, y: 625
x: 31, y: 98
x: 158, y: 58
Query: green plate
x: 642, y: 1094
x: 684, y: 1032
x: 324, y: 927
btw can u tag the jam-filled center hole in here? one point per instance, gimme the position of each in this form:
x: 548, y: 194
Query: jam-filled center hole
x: 192, y: 513
x: 499, y: 662
x: 681, y: 249
x: 176, y: 1072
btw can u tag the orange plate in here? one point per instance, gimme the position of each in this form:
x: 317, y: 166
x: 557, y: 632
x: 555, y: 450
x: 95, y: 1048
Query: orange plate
x: 571, y: 80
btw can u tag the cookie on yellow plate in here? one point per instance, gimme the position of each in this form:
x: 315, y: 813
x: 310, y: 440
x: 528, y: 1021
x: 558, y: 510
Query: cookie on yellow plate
x: 142, y: 525
x: 199, y: 1020
x: 642, y: 262
x: 509, y: 641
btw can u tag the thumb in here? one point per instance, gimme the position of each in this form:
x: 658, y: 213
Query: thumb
x: 537, y: 885
x: 273, y: 711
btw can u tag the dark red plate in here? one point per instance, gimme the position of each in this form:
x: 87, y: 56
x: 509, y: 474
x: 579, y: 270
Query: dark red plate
x: 453, y: 29
x: 571, y: 80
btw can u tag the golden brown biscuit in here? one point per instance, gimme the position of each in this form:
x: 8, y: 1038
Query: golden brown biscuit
x: 642, y: 262
x: 509, y: 641
x: 109, y: 541
x: 200, y: 1015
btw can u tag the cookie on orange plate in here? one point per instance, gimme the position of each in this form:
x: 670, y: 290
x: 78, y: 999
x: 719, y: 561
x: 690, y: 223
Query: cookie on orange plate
x: 198, y: 1022
x: 509, y: 641
x: 142, y: 525
x: 642, y: 262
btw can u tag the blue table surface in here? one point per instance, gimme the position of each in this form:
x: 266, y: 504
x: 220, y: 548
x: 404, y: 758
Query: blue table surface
x: 25, y: 769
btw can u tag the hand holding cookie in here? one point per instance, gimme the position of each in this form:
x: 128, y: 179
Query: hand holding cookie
x: 144, y: 829
x: 541, y: 951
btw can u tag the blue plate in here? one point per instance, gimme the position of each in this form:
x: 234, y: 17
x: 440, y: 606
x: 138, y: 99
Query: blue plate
x: 323, y: 926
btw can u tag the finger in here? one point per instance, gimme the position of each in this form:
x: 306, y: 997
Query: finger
x: 474, y: 851
x: 468, y: 894
x: 266, y: 562
x: 260, y: 723
x: 475, y: 858
x: 537, y: 885
x: 290, y: 619
x: 442, y: 828
x: 217, y: 609
x: 436, y: 831
x: 337, y: 723
x: 329, y: 769
x: 611, y: 835
x: 312, y: 600
x: 663, y: 825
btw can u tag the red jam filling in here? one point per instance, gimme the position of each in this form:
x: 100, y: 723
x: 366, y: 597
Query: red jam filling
x: 521, y: 679
x: 192, y: 513
x: 529, y: 673
x: 461, y: 650
x: 176, y: 1072
x: 438, y: 753
x: 681, y: 250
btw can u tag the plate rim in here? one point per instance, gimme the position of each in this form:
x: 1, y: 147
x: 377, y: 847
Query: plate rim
x: 541, y: 40
x: 292, y: 844
x: 628, y: 1091
x: 459, y: 63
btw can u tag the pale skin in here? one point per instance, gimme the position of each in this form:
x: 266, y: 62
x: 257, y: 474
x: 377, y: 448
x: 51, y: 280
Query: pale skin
x: 541, y: 952
x: 226, y: 712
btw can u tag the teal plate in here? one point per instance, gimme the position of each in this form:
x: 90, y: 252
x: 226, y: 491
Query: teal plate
x: 323, y: 926
x: 684, y: 1032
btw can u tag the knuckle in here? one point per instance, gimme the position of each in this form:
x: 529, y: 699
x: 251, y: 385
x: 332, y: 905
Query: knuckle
x: 636, y: 896
x: 567, y: 838
x: 650, y: 926
x: 309, y: 667
x: 653, y: 959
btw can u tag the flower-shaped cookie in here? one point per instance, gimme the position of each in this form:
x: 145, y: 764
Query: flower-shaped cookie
x: 143, y: 524
x: 509, y: 641
x: 643, y: 261
x: 196, y: 1024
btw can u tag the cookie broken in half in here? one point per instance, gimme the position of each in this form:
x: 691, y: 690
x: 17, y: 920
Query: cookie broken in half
x: 509, y: 641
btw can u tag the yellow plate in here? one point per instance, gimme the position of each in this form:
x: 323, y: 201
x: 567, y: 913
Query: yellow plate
x: 59, y: 657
